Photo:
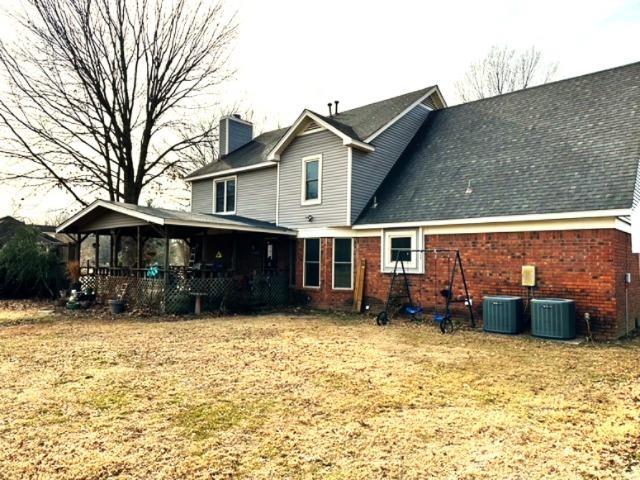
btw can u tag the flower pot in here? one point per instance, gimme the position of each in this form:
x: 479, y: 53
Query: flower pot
x: 116, y: 306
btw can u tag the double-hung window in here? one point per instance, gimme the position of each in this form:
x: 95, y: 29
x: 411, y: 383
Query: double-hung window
x: 311, y: 277
x: 311, y: 180
x: 343, y: 263
x: 225, y: 195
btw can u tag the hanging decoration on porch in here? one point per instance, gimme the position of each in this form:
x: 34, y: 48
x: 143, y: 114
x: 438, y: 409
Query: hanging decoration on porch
x: 153, y: 271
x: 218, y: 265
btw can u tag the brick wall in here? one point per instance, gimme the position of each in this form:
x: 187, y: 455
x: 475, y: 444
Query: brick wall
x: 587, y: 266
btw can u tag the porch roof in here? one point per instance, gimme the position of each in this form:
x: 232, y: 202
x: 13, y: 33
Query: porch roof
x: 105, y: 215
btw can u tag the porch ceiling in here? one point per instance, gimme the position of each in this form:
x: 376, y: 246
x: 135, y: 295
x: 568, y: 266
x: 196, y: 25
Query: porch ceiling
x: 102, y: 215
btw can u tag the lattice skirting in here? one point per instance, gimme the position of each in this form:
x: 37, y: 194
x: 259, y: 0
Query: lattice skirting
x: 141, y: 293
x: 177, y: 296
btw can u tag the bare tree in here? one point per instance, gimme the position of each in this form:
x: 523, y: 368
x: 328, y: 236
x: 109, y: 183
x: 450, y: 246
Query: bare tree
x: 504, y: 70
x: 101, y: 90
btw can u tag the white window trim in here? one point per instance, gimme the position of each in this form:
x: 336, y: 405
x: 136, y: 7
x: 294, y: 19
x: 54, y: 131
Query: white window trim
x: 304, y: 264
x: 416, y: 265
x: 220, y: 180
x: 333, y: 267
x: 303, y: 186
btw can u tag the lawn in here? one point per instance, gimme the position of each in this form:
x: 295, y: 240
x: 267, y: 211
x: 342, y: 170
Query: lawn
x: 309, y: 396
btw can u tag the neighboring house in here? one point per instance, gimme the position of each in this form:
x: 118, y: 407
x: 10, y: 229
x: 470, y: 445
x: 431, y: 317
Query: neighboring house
x: 546, y: 176
x: 62, y: 244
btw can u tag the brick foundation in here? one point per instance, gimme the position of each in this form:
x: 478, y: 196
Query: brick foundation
x: 587, y: 266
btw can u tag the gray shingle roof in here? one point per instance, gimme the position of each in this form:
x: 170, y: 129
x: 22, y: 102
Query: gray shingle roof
x: 222, y: 220
x: 366, y: 120
x: 567, y: 146
x: 172, y: 217
x: 359, y: 123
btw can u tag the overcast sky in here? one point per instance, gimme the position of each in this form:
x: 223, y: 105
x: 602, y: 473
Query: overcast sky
x: 292, y: 55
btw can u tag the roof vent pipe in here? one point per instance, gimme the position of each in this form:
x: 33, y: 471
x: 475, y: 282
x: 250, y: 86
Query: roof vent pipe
x: 336, y: 102
x: 330, y: 105
x: 469, y: 189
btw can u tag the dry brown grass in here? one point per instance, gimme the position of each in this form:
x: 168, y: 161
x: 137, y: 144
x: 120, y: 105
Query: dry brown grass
x: 308, y: 397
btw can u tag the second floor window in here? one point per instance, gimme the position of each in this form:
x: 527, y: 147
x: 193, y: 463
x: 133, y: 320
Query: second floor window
x: 311, y: 180
x: 225, y: 195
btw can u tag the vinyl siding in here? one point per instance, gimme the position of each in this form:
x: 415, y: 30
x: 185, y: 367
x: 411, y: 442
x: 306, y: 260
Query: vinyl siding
x: 333, y: 209
x: 223, y: 136
x: 202, y: 196
x: 102, y: 219
x: 239, y: 134
x: 370, y: 169
x: 256, y: 194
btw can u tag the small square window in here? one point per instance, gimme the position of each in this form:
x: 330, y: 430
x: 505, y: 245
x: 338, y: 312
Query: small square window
x: 401, y: 248
x: 404, y: 245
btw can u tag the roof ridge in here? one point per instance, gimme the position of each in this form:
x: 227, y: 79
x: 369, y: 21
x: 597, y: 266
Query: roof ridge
x: 534, y: 87
x: 336, y: 116
x: 413, y: 92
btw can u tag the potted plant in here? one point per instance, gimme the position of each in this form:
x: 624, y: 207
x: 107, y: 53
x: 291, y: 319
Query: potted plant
x: 73, y: 272
x: 118, y: 304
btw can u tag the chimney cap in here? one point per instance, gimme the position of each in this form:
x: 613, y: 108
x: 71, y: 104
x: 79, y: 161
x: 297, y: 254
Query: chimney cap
x: 236, y: 117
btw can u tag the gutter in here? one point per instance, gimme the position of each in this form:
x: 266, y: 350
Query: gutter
x: 501, y: 219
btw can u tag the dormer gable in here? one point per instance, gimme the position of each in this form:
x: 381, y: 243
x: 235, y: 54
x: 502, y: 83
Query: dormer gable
x: 310, y: 121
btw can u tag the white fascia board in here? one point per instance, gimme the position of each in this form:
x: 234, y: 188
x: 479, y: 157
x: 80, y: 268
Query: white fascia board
x: 444, y: 102
x: 623, y: 225
x: 402, y: 114
x: 349, y: 181
x: 336, y: 232
x: 110, y: 206
x: 288, y: 137
x: 504, y: 219
x: 230, y: 171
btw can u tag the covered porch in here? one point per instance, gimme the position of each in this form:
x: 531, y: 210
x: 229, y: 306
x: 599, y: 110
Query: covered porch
x: 163, y: 260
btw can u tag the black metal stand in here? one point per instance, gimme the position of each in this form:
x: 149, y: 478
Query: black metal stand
x: 458, y: 263
x: 383, y: 317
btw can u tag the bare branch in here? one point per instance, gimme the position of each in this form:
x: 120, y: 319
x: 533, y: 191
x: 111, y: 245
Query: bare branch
x: 504, y: 70
x: 98, y: 90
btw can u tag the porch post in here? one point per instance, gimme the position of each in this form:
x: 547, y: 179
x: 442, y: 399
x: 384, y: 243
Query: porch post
x: 78, y: 245
x: 234, y: 251
x: 204, y: 247
x: 112, y: 250
x: 166, y: 255
x: 139, y: 242
x: 97, y: 252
